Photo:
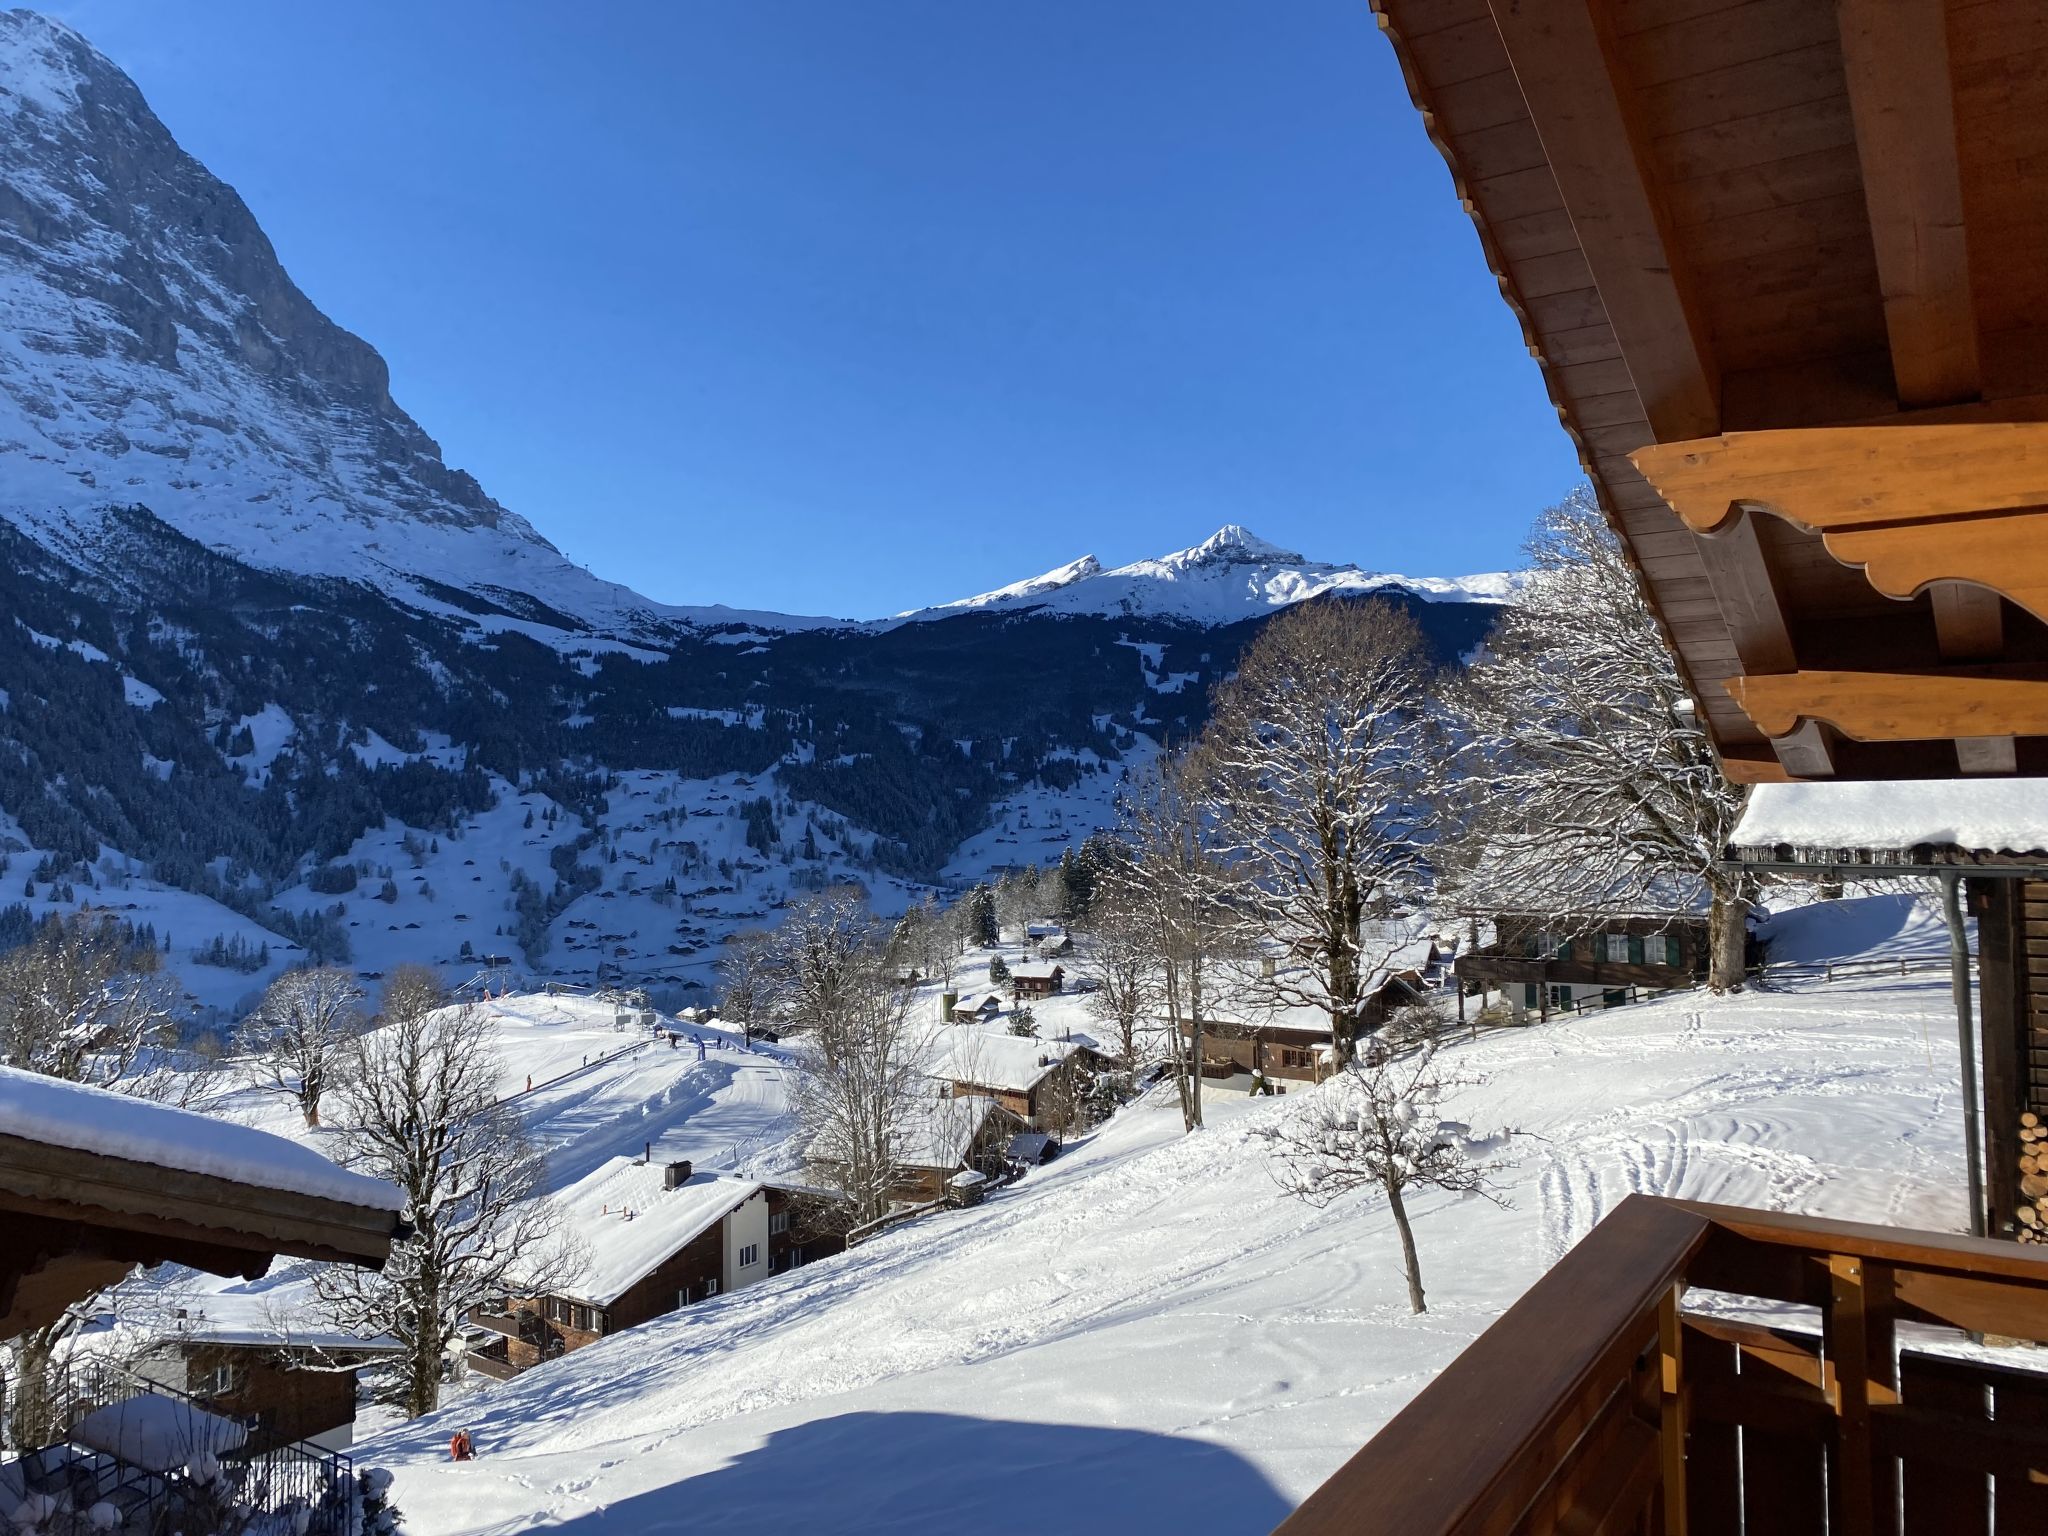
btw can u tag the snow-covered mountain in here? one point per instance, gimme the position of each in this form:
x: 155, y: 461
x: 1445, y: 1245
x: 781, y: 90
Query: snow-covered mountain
x: 153, y: 351
x: 1231, y: 575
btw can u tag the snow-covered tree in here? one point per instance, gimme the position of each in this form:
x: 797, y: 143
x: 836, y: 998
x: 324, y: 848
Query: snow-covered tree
x: 299, y: 1039
x: 1316, y: 760
x: 420, y: 1109
x: 747, y: 980
x: 1375, y: 1125
x: 998, y: 970
x: 825, y: 944
x: 82, y: 1002
x: 1586, y: 781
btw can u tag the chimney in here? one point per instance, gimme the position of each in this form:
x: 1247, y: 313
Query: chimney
x: 676, y: 1175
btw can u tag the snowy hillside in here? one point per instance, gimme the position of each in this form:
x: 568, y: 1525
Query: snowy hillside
x: 1231, y: 575
x: 153, y: 350
x: 1145, y: 1335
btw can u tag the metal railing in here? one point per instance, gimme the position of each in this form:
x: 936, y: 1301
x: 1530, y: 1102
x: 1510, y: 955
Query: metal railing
x: 268, y: 1477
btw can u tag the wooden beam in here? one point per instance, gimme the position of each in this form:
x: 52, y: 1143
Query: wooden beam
x: 1912, y: 505
x: 1969, y: 625
x: 1597, y: 153
x: 1896, y: 706
x: 1746, y: 591
x: 1862, y: 1368
x: 1895, y: 56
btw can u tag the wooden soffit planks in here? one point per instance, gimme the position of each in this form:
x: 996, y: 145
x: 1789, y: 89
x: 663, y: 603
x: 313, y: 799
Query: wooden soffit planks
x: 1911, y: 505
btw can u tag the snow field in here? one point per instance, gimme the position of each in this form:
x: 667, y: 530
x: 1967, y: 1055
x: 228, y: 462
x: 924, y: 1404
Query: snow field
x: 1149, y: 1310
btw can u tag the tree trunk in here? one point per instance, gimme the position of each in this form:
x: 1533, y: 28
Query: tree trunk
x: 1411, y: 1265
x: 1727, y: 942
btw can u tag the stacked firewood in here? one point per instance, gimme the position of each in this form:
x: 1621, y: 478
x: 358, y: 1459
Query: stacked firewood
x: 2033, y: 1208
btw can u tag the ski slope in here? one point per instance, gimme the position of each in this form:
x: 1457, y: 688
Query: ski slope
x: 1145, y: 1335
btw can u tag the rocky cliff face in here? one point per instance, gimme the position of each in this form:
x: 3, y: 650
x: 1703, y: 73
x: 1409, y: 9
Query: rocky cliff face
x: 153, y: 351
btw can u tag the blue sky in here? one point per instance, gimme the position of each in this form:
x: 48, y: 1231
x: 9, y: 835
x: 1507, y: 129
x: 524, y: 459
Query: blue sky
x: 848, y: 306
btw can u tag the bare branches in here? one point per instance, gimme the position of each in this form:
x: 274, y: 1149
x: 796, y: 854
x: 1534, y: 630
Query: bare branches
x: 1374, y: 1125
x: 1585, y: 782
x: 81, y: 1002
x: 299, y: 1040
x: 422, y: 1112
x: 1315, y: 762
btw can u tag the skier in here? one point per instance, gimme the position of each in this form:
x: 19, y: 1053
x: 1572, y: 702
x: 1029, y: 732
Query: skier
x: 461, y: 1447
x: 700, y: 1046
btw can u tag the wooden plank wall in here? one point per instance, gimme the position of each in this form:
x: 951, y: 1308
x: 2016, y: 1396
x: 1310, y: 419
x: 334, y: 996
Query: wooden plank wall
x: 1759, y: 1451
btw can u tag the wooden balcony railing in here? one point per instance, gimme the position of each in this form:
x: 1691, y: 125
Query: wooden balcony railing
x: 1597, y: 1404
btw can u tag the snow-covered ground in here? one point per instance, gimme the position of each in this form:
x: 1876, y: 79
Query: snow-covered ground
x: 1145, y: 1335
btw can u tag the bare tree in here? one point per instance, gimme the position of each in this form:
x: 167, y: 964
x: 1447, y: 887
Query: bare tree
x: 1374, y: 1125
x: 747, y: 979
x: 1316, y: 760
x: 81, y: 1002
x: 1586, y: 781
x: 825, y: 944
x: 1181, y: 897
x: 861, y: 1083
x: 411, y: 992
x: 299, y: 1039
x: 421, y: 1111
x: 1119, y: 955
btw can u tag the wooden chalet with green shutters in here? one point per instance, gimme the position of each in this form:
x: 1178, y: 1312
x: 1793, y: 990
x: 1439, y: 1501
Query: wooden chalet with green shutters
x: 1541, y: 968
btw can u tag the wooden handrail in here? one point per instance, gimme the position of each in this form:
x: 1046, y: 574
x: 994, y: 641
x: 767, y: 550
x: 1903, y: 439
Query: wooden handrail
x: 1574, y: 1409
x: 1482, y: 1439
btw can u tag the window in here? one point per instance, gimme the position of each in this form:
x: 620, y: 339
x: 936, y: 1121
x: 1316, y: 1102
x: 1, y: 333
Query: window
x: 217, y: 1382
x: 1294, y: 1056
x: 1617, y: 948
x: 750, y: 1255
x: 778, y: 1223
x: 710, y: 1288
x: 579, y: 1317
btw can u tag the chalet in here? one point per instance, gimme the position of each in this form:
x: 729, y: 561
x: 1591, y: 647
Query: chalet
x: 1780, y: 268
x: 947, y: 1135
x: 290, y: 1380
x: 977, y: 1008
x: 1037, y: 980
x: 1040, y: 1082
x: 94, y: 1183
x: 653, y: 1237
x: 1603, y: 955
x: 1294, y: 1042
x: 1054, y: 946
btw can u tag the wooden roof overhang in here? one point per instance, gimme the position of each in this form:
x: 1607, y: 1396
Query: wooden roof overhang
x: 1784, y: 266
x: 77, y: 1221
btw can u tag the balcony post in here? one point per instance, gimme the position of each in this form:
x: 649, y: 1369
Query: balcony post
x: 1671, y: 1429
x: 1862, y: 1373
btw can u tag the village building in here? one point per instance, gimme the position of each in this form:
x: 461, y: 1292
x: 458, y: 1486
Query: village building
x: 1054, y: 946
x: 655, y: 1237
x: 1294, y: 1041
x: 976, y: 1007
x: 1042, y: 1083
x: 1595, y: 959
x: 289, y: 1380
x: 946, y: 1135
x: 1037, y: 981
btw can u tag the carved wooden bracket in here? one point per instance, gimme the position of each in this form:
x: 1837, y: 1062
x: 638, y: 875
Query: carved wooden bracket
x: 1910, y: 505
x: 1895, y: 706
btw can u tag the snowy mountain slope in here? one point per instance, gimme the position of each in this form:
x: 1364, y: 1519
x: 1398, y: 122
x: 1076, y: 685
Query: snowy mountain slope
x: 153, y: 351
x: 1146, y: 1336
x: 1231, y: 575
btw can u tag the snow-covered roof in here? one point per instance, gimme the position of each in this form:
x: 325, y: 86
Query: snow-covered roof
x: 987, y: 1058
x: 1979, y: 815
x: 628, y: 1223
x: 974, y: 1002
x: 44, y: 1109
x: 1036, y: 972
x: 252, y: 1318
x: 940, y: 1133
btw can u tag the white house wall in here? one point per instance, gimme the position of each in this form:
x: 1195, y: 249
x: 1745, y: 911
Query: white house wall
x: 746, y: 1226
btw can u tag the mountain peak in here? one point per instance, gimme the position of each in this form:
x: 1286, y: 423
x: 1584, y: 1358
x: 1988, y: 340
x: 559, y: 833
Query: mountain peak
x: 1234, y: 543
